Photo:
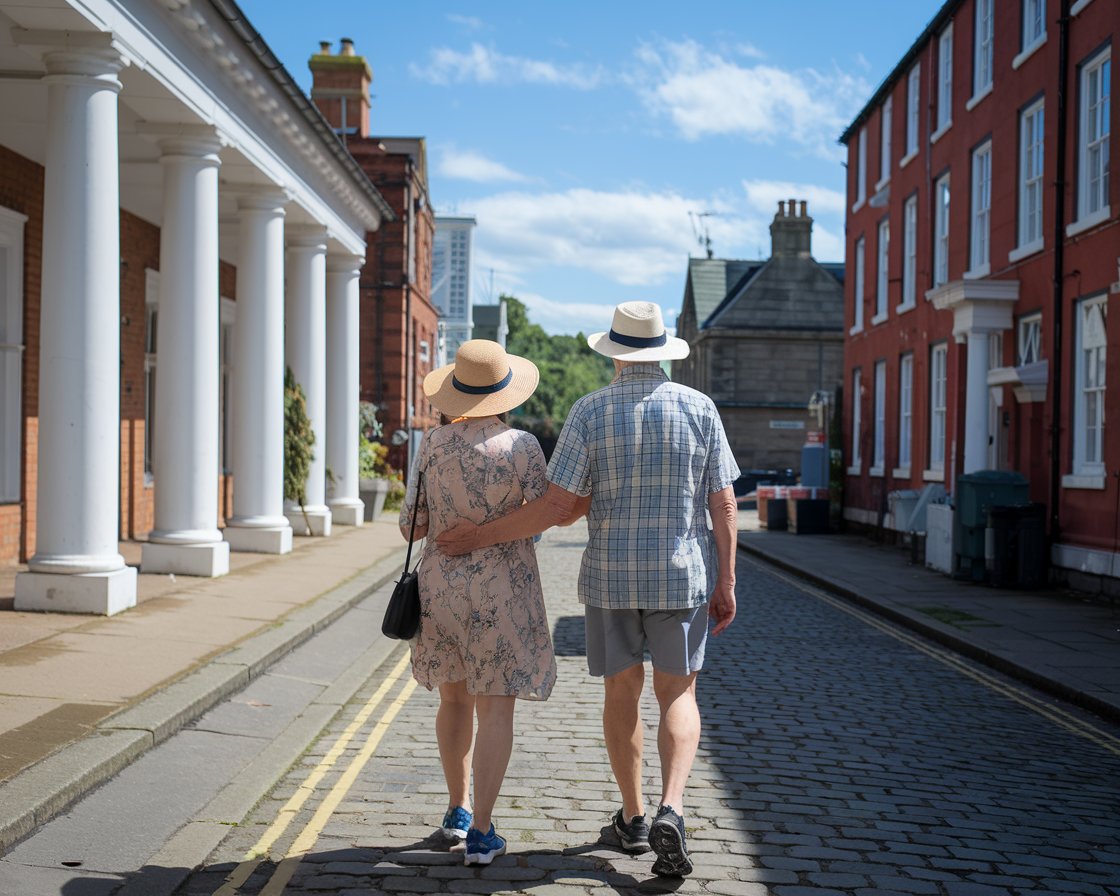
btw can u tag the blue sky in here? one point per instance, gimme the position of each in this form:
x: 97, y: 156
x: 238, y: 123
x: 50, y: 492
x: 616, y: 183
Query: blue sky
x: 582, y: 135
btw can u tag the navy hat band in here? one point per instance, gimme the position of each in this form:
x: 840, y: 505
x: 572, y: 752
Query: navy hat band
x: 638, y: 341
x: 483, y: 390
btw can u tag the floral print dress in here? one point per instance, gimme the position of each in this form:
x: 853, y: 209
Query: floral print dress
x: 482, y: 615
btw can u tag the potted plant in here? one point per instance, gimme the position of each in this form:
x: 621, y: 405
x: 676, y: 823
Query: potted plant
x: 375, y: 476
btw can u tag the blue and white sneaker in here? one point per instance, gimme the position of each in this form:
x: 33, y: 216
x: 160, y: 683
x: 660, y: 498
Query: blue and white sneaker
x: 456, y: 823
x: 482, y: 848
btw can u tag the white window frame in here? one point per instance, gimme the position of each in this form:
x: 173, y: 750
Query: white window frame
x: 861, y: 169
x: 913, y: 113
x: 982, y: 56
x: 1090, y: 381
x: 938, y: 418
x: 1034, y: 29
x: 905, y: 414
x: 1029, y: 343
x: 12, y: 225
x: 151, y: 325
x: 425, y: 353
x: 909, y: 254
x: 858, y: 285
x: 885, y: 119
x: 980, y: 229
x: 1032, y: 131
x: 944, y: 83
x: 1093, y: 144
x: 882, y: 269
x: 857, y: 462
x: 879, y: 440
x: 942, y: 196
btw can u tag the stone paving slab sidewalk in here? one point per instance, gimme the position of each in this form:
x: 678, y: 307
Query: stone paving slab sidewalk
x: 1060, y: 641
x: 81, y: 697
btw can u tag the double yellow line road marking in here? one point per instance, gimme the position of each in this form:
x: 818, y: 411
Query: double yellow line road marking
x: 305, y: 839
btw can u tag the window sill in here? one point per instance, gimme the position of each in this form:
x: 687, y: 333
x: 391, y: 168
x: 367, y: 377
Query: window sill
x: 1090, y: 221
x: 976, y: 100
x: 901, y: 472
x: 933, y: 475
x: 1078, y: 6
x: 908, y: 158
x: 906, y: 306
x: 1074, y: 480
x: 977, y: 273
x: 855, y: 469
x: 876, y: 472
x: 1028, y: 52
x: 878, y: 319
x: 858, y: 205
x: 940, y: 132
x: 1025, y: 251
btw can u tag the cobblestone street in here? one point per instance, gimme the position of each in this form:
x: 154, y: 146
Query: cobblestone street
x: 839, y: 755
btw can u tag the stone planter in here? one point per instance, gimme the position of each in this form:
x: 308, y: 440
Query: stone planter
x: 373, y: 492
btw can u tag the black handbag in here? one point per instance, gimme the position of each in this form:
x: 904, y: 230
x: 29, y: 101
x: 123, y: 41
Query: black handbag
x: 402, y: 615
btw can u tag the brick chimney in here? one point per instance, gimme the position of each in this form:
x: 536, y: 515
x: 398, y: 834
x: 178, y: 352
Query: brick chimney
x: 340, y: 87
x: 790, y: 232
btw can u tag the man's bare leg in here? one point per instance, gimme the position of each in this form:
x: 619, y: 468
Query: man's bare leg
x: 678, y: 734
x: 622, y: 730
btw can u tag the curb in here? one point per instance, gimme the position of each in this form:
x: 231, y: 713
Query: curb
x: 40, y: 792
x: 946, y: 638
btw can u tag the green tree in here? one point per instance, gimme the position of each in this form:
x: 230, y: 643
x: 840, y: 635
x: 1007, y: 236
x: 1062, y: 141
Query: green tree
x: 569, y: 369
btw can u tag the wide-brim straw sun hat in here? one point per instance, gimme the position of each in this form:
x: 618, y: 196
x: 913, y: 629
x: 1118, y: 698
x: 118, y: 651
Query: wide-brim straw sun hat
x: 637, y: 333
x: 484, y: 380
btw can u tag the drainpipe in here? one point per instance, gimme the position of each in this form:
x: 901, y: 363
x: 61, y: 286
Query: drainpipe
x: 1059, y: 276
x: 409, y: 336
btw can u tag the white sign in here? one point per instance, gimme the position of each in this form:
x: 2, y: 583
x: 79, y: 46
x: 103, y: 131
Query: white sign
x: 787, y: 424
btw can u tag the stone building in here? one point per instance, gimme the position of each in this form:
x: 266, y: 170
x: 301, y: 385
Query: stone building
x: 765, y: 336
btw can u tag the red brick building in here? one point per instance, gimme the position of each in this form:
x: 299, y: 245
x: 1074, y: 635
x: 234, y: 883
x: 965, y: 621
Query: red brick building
x: 983, y: 253
x: 399, y: 321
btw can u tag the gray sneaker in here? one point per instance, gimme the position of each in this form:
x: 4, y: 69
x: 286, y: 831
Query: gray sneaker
x: 632, y: 835
x: 666, y: 836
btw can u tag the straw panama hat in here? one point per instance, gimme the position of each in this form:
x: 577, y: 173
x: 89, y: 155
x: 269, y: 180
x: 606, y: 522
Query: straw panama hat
x: 484, y: 380
x: 637, y: 333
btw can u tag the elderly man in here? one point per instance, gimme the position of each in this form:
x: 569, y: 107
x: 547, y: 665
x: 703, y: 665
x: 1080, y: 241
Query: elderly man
x: 644, y: 458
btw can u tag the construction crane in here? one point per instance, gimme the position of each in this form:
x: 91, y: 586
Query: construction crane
x: 700, y: 229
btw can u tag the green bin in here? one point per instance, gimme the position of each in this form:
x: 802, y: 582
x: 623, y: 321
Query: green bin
x: 977, y: 493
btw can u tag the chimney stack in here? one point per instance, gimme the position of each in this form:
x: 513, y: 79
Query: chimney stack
x: 790, y: 234
x: 340, y: 88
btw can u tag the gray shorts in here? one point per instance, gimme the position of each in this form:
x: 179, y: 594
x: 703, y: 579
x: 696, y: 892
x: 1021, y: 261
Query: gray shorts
x: 617, y: 639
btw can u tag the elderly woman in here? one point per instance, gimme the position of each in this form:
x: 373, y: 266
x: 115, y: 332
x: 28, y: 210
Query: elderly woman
x: 484, y: 638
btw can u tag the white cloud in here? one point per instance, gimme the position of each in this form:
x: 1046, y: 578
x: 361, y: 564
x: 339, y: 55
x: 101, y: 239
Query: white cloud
x: 557, y: 316
x: 764, y: 196
x: 485, y: 65
x: 631, y: 238
x: 705, y: 94
x: 472, y: 166
x: 470, y: 23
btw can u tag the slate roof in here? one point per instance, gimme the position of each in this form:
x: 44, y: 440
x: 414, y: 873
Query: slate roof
x: 713, y: 279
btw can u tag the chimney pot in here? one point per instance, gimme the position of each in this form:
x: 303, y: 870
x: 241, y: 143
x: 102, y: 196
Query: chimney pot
x: 347, y: 48
x: 793, y: 208
x: 781, y: 208
x: 804, y: 213
x: 324, y: 48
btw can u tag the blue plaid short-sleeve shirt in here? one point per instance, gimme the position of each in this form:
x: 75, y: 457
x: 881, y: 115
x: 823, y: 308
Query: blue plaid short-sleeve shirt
x: 650, y: 452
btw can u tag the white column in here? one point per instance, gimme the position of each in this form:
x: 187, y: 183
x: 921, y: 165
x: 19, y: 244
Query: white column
x: 186, y: 538
x: 976, y: 403
x: 343, y: 388
x: 305, y: 344
x: 77, y: 566
x: 258, y: 522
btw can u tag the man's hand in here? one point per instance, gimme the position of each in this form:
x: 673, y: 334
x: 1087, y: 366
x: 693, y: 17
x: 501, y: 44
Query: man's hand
x: 462, y: 538
x: 721, y: 607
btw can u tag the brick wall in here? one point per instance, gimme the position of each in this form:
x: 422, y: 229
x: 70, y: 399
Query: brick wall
x: 21, y: 190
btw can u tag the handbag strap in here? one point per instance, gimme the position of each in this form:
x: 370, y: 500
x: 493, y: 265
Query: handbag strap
x: 412, y: 529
